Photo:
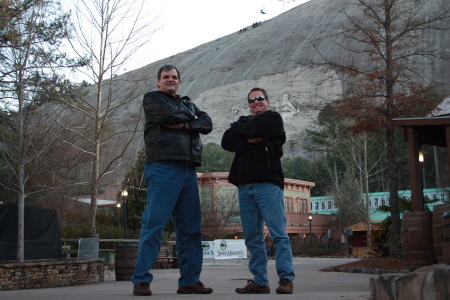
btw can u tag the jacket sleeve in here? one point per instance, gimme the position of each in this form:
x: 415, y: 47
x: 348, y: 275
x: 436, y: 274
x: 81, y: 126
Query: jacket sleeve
x: 234, y: 142
x: 266, y: 125
x: 160, y: 111
x: 203, y: 123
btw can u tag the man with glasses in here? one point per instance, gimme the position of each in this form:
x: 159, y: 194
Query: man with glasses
x: 257, y: 142
x: 173, y: 151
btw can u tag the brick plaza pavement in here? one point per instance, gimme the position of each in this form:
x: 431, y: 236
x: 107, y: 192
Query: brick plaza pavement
x: 310, y: 284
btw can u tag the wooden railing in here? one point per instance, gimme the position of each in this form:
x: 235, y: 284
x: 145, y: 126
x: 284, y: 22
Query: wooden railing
x: 302, y: 219
x: 231, y: 218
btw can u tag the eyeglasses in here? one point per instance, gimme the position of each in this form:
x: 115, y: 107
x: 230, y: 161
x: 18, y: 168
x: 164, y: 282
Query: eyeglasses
x: 259, y: 98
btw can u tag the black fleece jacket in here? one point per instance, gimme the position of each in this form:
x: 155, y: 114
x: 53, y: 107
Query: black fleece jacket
x: 256, y: 162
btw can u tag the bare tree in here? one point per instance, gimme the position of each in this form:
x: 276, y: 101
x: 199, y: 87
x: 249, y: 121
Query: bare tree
x: 386, y: 57
x: 361, y: 155
x: 360, y: 161
x: 221, y: 220
x: 347, y: 198
x: 108, y: 33
x: 30, y: 46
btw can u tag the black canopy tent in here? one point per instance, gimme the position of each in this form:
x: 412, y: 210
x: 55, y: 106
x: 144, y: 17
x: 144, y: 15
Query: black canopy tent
x: 42, y: 236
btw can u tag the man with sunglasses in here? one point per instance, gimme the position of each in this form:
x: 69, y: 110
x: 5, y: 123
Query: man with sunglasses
x: 257, y: 142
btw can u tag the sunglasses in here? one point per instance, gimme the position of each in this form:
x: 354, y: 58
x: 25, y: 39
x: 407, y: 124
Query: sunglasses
x: 259, y: 98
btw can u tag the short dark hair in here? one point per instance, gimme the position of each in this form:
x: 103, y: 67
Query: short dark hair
x: 167, y: 68
x: 258, y: 89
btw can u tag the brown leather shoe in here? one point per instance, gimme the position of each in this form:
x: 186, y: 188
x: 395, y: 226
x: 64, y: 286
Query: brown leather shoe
x: 197, y: 288
x: 253, y: 288
x: 286, y: 286
x: 142, y: 289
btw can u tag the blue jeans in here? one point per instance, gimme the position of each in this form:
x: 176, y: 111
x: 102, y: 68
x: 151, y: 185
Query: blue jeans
x: 259, y: 203
x: 172, y: 191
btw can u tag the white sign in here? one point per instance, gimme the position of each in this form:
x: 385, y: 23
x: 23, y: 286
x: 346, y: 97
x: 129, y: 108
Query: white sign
x: 208, y: 249
x: 225, y: 249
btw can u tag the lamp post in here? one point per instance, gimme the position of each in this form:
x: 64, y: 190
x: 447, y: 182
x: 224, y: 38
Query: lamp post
x: 422, y: 163
x: 422, y: 173
x: 310, y: 229
x: 124, y: 199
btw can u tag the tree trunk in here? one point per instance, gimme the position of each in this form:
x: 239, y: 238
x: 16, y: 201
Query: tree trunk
x: 393, y: 196
x: 390, y: 136
x: 21, y: 220
x: 21, y: 173
x: 366, y: 185
x: 96, y: 163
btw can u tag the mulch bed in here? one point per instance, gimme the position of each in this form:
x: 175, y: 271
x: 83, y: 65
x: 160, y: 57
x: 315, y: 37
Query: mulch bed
x: 373, y: 265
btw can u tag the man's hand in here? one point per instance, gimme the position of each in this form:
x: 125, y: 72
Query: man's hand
x: 185, y: 126
x: 176, y: 126
x: 181, y: 125
x: 256, y: 140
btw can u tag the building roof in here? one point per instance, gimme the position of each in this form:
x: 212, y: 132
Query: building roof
x: 361, y: 226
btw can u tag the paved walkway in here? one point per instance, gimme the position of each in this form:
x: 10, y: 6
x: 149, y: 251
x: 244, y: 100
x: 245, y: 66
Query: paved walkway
x: 310, y: 283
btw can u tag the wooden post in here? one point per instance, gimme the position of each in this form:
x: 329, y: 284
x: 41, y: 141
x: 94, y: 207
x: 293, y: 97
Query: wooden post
x: 414, y: 170
x: 447, y: 138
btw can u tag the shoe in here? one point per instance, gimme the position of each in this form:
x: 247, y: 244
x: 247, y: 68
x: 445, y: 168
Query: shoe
x: 197, y: 288
x: 253, y: 288
x: 286, y: 286
x: 142, y: 289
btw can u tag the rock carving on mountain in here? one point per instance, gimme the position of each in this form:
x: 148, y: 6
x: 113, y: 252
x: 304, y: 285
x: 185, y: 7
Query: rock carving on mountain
x: 218, y: 75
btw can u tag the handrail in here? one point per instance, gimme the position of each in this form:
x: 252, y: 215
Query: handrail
x: 106, y: 240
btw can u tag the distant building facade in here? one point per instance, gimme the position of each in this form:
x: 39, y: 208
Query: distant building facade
x: 325, y: 204
x: 220, y: 208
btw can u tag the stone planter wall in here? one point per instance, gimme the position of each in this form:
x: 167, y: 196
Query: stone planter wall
x: 432, y: 282
x: 50, y: 273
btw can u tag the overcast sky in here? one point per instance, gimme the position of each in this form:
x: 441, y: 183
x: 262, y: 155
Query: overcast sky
x: 181, y: 25
x: 186, y: 24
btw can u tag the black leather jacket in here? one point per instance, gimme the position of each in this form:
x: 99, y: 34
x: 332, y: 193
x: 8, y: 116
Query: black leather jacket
x: 167, y: 144
x: 256, y: 162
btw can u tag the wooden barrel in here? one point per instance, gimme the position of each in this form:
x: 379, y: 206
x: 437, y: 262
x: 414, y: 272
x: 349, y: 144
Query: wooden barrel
x: 438, y: 229
x: 446, y: 238
x: 126, y: 256
x: 417, y: 241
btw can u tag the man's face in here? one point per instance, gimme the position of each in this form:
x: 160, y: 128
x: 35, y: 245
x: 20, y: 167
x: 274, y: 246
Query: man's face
x: 169, y: 82
x: 258, y: 107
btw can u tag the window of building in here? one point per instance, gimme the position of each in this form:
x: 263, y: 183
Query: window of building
x: 370, y: 203
x: 288, y: 207
x: 301, y: 205
x: 442, y: 198
x: 376, y: 202
x: 317, y: 205
x: 329, y: 204
x: 323, y: 205
x: 383, y: 202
